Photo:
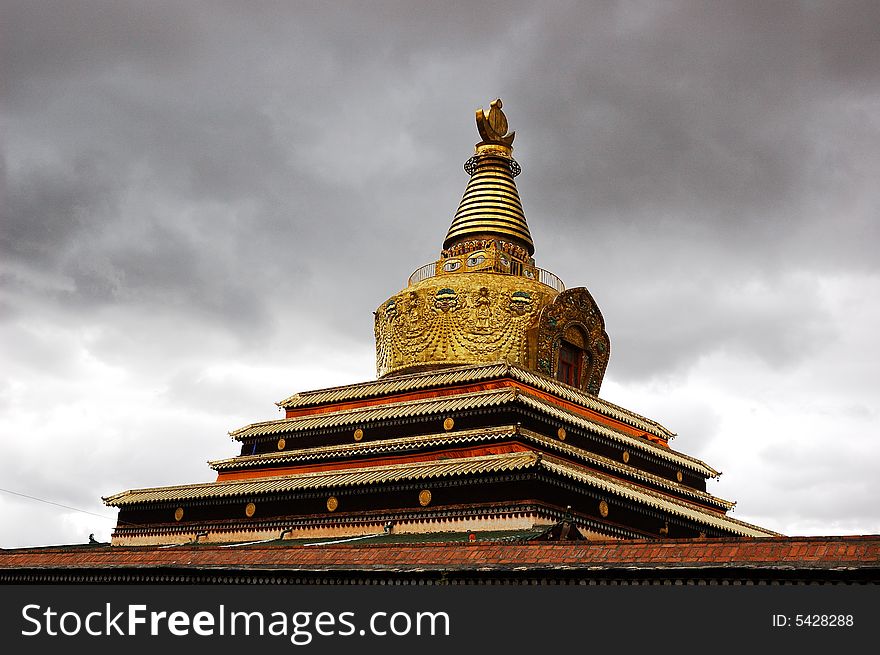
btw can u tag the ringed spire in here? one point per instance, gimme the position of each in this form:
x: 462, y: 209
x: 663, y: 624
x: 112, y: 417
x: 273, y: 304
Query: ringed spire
x: 490, y: 206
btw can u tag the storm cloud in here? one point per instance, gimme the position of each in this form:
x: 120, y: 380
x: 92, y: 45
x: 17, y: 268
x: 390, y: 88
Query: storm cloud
x: 203, y: 203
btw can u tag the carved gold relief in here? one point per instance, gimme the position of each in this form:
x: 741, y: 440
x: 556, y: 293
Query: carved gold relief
x: 250, y: 509
x: 332, y: 503
x: 463, y: 319
x: 575, y: 336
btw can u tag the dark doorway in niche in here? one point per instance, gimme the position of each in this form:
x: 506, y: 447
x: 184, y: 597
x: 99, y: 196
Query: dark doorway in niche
x: 570, y: 364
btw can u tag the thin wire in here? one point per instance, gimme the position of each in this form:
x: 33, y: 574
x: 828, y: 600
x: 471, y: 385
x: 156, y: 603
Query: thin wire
x: 49, y: 502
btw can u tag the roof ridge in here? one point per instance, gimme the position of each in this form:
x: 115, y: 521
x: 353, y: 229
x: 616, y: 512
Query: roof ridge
x: 607, y: 461
x: 388, y: 381
x: 457, y: 435
x: 356, y: 410
x: 665, y: 453
x: 582, y: 396
x: 565, y: 468
x: 516, y: 460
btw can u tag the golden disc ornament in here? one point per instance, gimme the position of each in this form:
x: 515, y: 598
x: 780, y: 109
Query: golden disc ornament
x: 448, y: 424
x: 250, y: 509
x: 178, y: 514
x: 281, y: 444
x: 358, y: 434
x: 332, y: 503
x: 679, y: 476
x: 603, y: 508
x: 561, y: 434
x: 424, y: 497
x: 625, y: 456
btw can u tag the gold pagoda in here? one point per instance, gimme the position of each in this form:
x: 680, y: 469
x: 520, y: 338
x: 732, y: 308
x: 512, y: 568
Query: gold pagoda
x: 484, y: 419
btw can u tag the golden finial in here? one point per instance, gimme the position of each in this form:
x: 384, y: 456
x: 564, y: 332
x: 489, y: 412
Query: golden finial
x: 492, y: 125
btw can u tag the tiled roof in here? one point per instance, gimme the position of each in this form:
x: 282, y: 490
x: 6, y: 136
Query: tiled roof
x: 380, y: 446
x: 466, y: 374
x: 401, y: 409
x: 465, y: 401
x: 591, y: 402
x: 327, y: 479
x: 686, y: 461
x: 397, y: 384
x: 625, y: 469
x: 373, y: 447
x: 429, y: 470
x: 775, y: 553
x: 644, y: 496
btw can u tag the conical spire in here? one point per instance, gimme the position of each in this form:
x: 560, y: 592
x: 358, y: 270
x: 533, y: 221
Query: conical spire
x: 490, y: 206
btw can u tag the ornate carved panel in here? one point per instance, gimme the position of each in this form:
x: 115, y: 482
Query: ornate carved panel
x: 465, y: 319
x: 571, y: 316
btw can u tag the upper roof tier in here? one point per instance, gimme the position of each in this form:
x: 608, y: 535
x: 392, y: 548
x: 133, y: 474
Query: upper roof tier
x: 490, y: 206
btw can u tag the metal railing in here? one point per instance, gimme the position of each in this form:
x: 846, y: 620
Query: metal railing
x: 550, y: 279
x: 501, y: 264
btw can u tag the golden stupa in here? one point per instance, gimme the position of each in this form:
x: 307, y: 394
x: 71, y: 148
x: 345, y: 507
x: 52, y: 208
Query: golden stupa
x: 484, y: 300
x: 486, y: 417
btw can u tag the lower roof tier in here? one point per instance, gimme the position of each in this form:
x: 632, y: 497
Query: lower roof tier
x: 440, y: 445
x: 517, y: 475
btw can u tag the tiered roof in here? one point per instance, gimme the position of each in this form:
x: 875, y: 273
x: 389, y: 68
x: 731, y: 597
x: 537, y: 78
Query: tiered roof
x: 530, y: 460
x: 386, y: 408
x: 510, y: 441
x: 277, y: 460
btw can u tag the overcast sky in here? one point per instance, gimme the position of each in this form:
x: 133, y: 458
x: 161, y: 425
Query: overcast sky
x: 203, y: 203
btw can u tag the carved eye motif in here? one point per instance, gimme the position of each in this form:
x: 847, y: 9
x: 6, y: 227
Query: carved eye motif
x: 452, y: 265
x: 475, y: 260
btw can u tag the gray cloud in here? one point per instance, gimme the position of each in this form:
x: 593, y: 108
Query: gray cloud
x: 187, y: 184
x: 715, y: 123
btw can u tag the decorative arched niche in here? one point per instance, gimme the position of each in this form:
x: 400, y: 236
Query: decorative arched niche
x: 573, y: 346
x: 572, y: 359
